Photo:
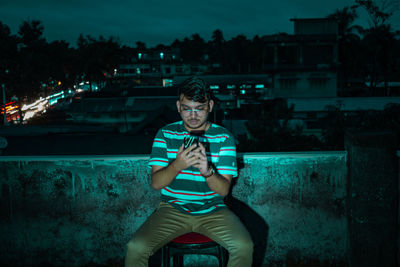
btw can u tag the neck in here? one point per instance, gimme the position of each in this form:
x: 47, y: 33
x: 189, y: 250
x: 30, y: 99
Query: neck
x: 204, y: 127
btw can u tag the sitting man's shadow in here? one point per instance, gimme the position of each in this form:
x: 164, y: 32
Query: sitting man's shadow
x: 254, y: 223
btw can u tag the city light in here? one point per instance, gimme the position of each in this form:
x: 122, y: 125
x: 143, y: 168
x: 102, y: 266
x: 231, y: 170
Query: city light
x: 40, y: 105
x: 11, y: 109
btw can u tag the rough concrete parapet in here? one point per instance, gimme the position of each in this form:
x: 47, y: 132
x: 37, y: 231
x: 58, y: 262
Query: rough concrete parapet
x: 372, y: 204
x: 80, y: 210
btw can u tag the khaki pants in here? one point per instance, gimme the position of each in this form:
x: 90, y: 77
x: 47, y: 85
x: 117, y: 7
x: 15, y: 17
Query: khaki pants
x: 166, y: 223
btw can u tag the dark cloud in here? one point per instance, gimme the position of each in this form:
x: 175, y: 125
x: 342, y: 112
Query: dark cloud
x: 158, y: 21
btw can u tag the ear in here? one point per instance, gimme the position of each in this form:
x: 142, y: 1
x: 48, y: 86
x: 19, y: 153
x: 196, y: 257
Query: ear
x: 211, y: 103
x: 178, y: 105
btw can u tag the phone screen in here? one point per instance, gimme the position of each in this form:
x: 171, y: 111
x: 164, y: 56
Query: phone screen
x: 190, y: 140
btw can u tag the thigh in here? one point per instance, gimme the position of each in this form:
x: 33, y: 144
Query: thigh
x: 162, y: 226
x: 225, y: 228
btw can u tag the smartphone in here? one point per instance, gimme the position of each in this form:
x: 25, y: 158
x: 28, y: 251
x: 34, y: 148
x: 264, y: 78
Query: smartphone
x: 190, y: 140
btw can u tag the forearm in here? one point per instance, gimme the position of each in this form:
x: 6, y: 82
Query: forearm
x: 218, y: 184
x: 164, y: 176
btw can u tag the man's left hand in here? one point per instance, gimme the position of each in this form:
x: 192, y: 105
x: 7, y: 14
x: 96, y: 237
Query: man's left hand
x: 202, y: 164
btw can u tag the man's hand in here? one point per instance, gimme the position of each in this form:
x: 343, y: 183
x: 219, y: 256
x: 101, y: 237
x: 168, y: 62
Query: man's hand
x: 186, y: 158
x: 201, y: 163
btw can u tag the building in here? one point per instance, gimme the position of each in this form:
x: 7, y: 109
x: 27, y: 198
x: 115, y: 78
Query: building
x: 156, y: 67
x: 304, y: 64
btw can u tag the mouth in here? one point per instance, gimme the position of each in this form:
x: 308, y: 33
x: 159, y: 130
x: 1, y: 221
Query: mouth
x: 193, y: 121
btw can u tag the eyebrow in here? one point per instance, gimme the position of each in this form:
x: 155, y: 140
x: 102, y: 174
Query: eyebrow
x: 196, y: 107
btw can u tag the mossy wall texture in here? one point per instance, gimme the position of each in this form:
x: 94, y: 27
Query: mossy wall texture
x: 74, y: 211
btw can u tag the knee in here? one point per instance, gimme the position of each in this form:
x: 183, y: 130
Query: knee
x: 244, y: 245
x: 136, y: 247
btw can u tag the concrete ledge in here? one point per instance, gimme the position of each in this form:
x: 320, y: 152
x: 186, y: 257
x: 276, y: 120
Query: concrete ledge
x: 80, y: 210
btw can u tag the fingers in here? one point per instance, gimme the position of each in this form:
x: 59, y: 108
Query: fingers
x: 180, y: 149
x: 189, y: 149
x: 192, y: 156
x: 202, y: 149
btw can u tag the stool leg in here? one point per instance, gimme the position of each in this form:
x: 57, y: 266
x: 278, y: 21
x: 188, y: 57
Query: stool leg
x: 222, y: 257
x: 177, y: 261
x: 165, y: 257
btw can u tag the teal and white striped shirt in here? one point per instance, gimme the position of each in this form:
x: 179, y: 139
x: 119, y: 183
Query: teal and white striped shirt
x: 189, y: 191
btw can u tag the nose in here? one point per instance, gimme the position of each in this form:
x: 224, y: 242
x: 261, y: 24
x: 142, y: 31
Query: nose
x: 193, y: 114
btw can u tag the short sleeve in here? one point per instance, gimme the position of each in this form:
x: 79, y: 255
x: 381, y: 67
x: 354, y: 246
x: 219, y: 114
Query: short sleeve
x: 227, y: 163
x: 158, y: 155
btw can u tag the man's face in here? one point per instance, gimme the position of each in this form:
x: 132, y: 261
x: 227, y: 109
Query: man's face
x: 194, y: 114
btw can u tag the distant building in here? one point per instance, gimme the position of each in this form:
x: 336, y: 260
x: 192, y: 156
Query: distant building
x: 304, y: 64
x: 232, y: 90
x: 156, y: 67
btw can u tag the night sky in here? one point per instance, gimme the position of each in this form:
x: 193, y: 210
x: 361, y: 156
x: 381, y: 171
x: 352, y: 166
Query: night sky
x: 155, y: 21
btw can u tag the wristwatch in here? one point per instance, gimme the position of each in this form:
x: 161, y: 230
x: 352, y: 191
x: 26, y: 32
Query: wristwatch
x: 211, y: 172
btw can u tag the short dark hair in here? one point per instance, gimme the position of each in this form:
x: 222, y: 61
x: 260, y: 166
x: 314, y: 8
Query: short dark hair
x: 195, y: 89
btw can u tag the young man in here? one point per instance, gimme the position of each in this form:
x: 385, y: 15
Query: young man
x: 193, y: 183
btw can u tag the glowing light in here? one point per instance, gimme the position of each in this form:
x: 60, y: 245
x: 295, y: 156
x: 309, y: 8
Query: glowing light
x: 28, y: 115
x: 259, y: 86
x: 167, y: 82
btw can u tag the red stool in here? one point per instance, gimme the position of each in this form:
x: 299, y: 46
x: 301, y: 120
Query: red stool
x: 192, y: 243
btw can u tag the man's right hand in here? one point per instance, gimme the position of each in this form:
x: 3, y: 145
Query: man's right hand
x: 186, y: 158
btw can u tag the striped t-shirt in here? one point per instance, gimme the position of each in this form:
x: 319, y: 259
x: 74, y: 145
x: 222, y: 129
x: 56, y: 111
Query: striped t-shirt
x: 189, y: 191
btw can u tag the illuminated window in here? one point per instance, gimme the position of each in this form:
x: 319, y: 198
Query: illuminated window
x: 259, y: 86
x: 231, y: 86
x: 214, y: 87
x: 167, y: 82
x: 140, y: 55
x: 161, y: 55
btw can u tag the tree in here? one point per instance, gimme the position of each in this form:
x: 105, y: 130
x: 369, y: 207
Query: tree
x: 97, y: 58
x: 140, y: 46
x: 8, y: 55
x: 31, y: 58
x: 216, y: 47
x: 238, y: 48
x: 192, y: 50
x: 379, y: 11
x: 379, y: 42
x: 349, y: 53
x: 61, y: 64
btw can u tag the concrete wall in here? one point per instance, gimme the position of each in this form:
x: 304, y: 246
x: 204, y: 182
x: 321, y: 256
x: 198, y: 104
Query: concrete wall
x: 75, y: 210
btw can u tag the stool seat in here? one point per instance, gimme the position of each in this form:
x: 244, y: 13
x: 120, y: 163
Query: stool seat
x: 192, y: 238
x: 192, y: 243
